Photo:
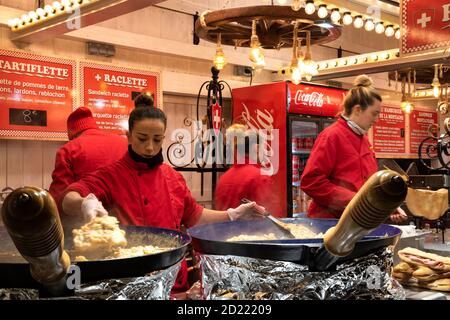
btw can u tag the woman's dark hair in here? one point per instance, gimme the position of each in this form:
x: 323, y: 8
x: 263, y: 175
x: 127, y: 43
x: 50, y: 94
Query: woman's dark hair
x: 144, y: 100
x: 141, y: 113
x: 363, y: 93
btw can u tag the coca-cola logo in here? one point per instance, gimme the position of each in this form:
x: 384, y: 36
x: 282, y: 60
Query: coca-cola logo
x: 313, y: 99
x: 263, y: 123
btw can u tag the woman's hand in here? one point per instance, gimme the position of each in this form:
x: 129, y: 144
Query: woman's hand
x: 246, y: 211
x: 398, y: 216
x: 91, y: 207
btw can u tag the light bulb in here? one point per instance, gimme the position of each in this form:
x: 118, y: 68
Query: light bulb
x: 322, y: 12
x: 49, y: 9
x: 66, y: 3
x: 296, y: 75
x: 11, y: 23
x: 33, y: 15
x: 353, y: 61
x: 359, y: 22
x: 398, y: 33
x: 219, y: 59
x: 310, y: 8
x: 41, y: 13
x: 57, y: 6
x: 347, y: 19
x: 25, y: 18
x: 389, y: 31
x: 335, y: 15
x: 407, y: 107
x: 369, y: 25
x: 379, y: 28
x: 296, y: 5
x: 436, y: 88
x: 374, y: 57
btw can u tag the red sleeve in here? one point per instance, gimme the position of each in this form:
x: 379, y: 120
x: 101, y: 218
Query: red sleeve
x: 98, y: 183
x: 315, y: 181
x: 192, y: 210
x: 62, y: 176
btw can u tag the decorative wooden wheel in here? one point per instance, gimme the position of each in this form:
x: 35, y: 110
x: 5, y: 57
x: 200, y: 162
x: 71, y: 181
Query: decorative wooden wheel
x: 275, y: 25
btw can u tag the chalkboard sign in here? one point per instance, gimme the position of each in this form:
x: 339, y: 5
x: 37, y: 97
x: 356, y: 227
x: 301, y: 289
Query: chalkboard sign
x: 27, y: 117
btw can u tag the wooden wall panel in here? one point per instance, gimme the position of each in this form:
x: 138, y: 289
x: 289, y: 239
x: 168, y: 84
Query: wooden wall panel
x: 14, y: 163
x: 32, y: 163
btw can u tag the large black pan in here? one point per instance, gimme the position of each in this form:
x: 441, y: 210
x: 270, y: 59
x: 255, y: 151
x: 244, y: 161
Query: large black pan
x: 211, y: 239
x: 15, y: 273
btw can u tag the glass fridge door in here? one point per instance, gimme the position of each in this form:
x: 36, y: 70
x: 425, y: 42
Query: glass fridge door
x: 303, y: 134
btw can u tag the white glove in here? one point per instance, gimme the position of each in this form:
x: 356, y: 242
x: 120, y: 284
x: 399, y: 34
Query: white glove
x: 398, y: 216
x: 91, y: 208
x: 246, y: 211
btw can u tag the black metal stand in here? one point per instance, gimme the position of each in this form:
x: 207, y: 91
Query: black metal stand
x: 178, y: 149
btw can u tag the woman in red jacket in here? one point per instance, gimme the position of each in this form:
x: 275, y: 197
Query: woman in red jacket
x: 244, y: 179
x: 342, y: 158
x: 141, y: 190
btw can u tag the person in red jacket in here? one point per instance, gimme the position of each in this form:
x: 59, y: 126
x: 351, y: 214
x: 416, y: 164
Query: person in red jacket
x: 139, y: 189
x: 342, y: 158
x: 88, y: 149
x: 244, y: 178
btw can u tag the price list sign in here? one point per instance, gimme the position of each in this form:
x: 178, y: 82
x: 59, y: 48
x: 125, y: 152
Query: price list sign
x: 389, y: 131
x: 420, y: 123
x: 109, y: 92
x: 36, y: 96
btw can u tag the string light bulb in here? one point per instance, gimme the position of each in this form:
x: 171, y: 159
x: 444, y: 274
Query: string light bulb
x: 347, y: 19
x: 309, y: 66
x: 41, y: 13
x: 389, y: 31
x: 436, y: 84
x: 296, y: 5
x: 379, y: 28
x: 219, y: 58
x: 256, y: 53
x: 398, y: 33
x: 369, y: 25
x: 359, y: 22
x: 335, y: 15
x: 322, y: 12
x: 49, y: 9
x: 309, y: 7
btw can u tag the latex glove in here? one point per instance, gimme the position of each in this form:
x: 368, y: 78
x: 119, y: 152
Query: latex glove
x: 398, y: 216
x: 246, y: 211
x: 91, y: 207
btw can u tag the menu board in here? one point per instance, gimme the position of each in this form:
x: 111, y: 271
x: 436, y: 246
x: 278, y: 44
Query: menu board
x: 420, y: 122
x: 36, y: 95
x: 389, y: 131
x: 109, y: 92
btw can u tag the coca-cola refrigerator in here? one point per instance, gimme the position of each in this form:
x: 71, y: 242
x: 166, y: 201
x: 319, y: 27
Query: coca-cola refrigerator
x: 294, y: 115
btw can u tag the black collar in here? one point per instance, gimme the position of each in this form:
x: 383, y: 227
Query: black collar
x: 151, y: 162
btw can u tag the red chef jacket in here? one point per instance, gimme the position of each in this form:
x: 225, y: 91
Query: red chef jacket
x: 245, y: 181
x: 140, y: 196
x: 91, y: 150
x: 340, y: 163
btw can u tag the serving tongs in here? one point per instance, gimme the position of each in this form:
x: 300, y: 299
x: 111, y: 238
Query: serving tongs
x: 283, y: 227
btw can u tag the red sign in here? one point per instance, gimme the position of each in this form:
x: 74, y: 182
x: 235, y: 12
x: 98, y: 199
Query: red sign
x: 36, y: 96
x: 315, y: 100
x: 425, y: 25
x: 420, y: 122
x: 389, y: 131
x: 109, y: 92
x: 216, y: 113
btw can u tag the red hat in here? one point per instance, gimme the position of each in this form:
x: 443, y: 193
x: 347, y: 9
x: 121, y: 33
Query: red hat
x: 79, y: 120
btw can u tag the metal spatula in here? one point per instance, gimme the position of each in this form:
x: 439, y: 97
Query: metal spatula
x: 283, y: 227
